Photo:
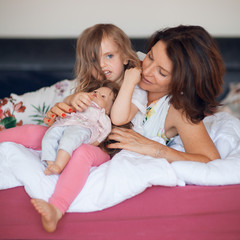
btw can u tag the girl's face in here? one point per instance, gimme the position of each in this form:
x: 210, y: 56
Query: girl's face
x: 111, y: 60
x: 104, y: 97
x: 156, y: 72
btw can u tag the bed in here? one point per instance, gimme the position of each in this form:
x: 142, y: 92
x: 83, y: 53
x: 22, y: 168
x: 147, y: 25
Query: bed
x: 194, y: 210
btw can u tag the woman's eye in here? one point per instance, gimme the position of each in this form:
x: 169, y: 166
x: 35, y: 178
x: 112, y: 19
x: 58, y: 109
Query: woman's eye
x: 150, y: 56
x: 164, y: 75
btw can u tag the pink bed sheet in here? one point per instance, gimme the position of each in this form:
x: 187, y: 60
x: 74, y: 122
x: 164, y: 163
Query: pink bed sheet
x: 181, y: 213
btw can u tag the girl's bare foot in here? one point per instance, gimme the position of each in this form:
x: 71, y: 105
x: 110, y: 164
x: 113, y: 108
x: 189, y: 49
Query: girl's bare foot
x: 53, y: 169
x: 50, y: 214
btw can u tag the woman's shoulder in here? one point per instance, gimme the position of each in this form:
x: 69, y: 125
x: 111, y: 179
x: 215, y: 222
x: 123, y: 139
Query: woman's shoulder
x: 176, y: 121
x: 174, y: 115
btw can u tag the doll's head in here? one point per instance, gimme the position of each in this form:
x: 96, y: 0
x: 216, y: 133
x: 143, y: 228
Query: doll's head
x: 104, y: 94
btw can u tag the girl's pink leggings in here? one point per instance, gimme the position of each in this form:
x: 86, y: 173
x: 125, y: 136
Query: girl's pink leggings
x: 75, y: 174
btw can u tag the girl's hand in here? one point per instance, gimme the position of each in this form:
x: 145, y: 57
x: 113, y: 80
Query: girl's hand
x: 129, y: 140
x: 59, y: 109
x: 133, y: 76
x: 79, y: 101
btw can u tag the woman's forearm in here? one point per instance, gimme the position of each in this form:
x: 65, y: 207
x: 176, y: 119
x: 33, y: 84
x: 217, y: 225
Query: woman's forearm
x: 129, y: 140
x: 172, y: 155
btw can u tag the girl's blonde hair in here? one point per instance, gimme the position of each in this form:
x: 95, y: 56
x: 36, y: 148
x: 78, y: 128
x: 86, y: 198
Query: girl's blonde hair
x: 88, y: 51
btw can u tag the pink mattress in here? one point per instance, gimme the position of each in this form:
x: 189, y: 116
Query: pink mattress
x: 181, y: 213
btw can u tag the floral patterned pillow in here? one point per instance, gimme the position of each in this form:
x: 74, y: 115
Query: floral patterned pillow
x: 30, y: 108
x: 231, y: 103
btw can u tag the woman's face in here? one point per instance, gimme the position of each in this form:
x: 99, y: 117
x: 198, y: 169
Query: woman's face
x: 156, y: 72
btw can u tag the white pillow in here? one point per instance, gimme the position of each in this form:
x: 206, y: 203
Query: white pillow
x: 31, y: 107
x: 141, y: 55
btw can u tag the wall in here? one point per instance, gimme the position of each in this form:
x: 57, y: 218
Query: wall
x: 67, y: 18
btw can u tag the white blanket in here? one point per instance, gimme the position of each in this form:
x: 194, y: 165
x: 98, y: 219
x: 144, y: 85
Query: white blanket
x: 130, y: 174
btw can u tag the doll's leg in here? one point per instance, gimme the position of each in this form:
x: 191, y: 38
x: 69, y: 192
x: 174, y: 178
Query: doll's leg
x: 75, y: 174
x: 61, y: 142
x: 29, y: 135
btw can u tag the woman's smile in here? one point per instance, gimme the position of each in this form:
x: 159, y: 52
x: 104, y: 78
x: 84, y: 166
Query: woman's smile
x: 145, y: 80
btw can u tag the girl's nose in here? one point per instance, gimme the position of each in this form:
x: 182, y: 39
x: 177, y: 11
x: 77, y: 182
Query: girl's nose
x: 102, y: 63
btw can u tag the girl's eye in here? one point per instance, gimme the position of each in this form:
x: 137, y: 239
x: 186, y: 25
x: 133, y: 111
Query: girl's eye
x: 109, y: 56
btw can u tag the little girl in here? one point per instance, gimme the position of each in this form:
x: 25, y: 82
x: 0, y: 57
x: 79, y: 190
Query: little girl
x: 103, y: 52
x: 90, y: 126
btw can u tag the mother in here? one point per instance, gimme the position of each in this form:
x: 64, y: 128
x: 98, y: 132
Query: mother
x: 183, y: 73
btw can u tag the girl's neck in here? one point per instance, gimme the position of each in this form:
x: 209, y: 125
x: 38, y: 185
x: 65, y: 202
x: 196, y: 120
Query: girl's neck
x: 119, y: 82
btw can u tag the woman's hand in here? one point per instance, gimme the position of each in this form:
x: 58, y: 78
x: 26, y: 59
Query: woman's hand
x: 129, y: 140
x: 59, y: 109
x: 79, y: 101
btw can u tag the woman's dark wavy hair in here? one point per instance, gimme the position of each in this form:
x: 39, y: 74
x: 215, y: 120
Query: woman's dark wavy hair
x: 198, y: 69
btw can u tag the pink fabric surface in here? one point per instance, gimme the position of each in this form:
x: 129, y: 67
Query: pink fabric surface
x: 29, y: 135
x: 189, y: 213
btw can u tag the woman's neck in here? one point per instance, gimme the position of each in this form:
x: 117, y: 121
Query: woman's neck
x: 153, y: 96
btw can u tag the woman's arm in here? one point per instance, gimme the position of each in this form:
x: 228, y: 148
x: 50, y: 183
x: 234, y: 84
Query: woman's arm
x: 123, y: 110
x: 77, y: 101
x: 59, y: 109
x: 197, y: 143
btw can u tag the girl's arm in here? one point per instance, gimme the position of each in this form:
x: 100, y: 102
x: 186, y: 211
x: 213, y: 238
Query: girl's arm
x: 80, y: 101
x: 123, y: 110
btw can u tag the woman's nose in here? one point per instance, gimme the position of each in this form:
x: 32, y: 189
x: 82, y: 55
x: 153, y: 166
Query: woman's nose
x: 147, y: 69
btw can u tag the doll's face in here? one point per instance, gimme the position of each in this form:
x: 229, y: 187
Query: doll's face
x: 104, y: 97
